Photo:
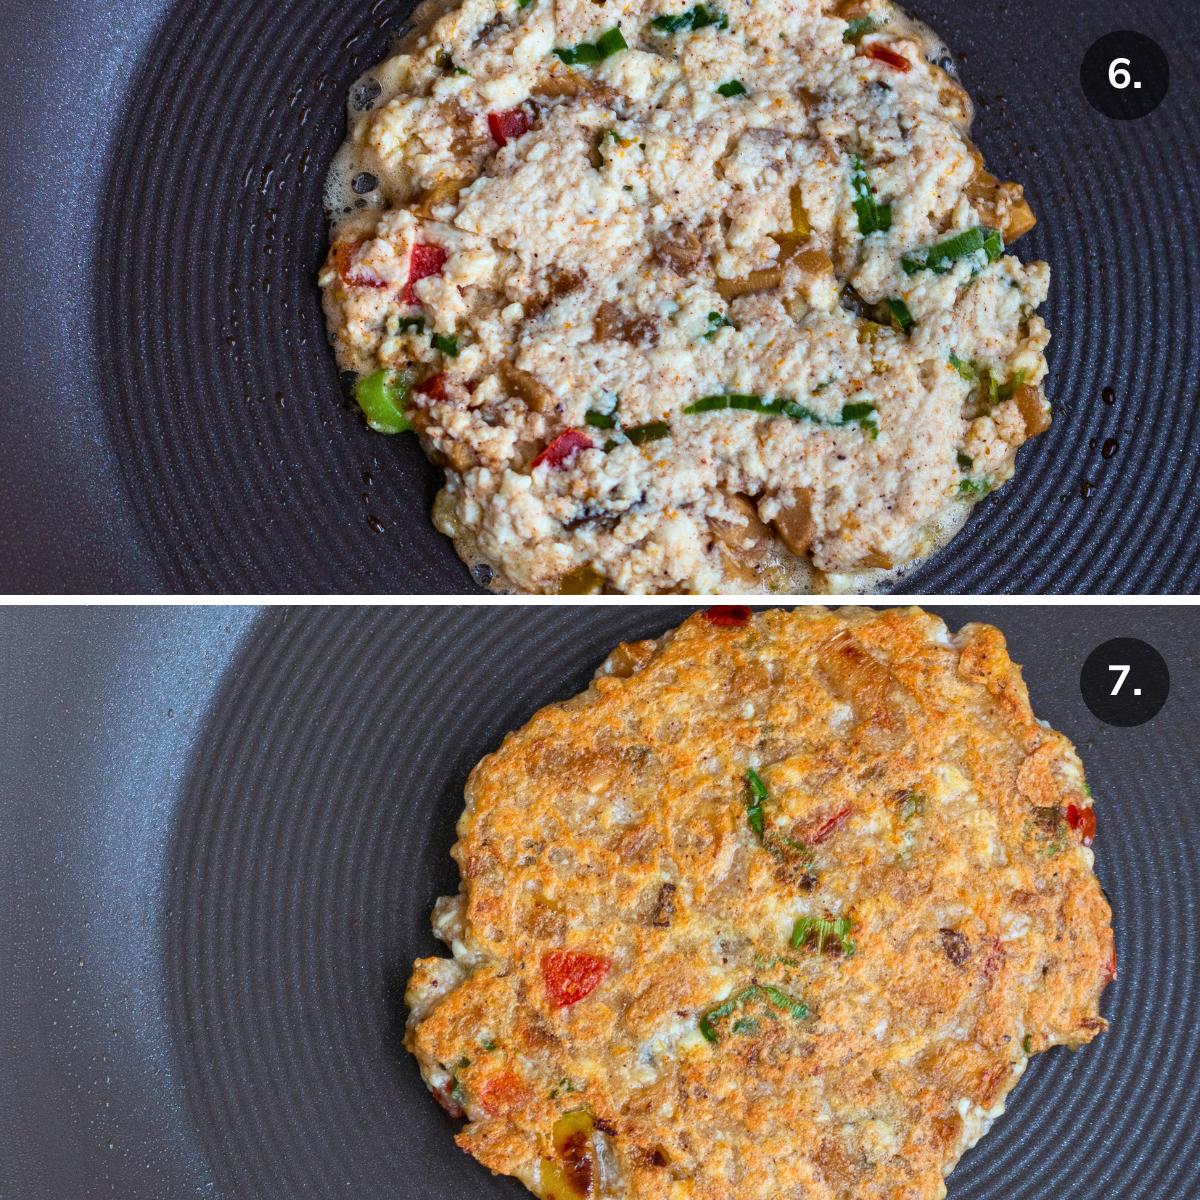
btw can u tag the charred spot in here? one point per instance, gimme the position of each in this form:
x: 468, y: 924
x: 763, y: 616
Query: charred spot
x: 955, y: 946
x: 1048, y: 818
x: 664, y: 906
x: 579, y: 1164
x: 604, y: 1126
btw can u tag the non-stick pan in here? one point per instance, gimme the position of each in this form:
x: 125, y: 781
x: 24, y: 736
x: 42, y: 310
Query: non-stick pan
x: 223, y: 832
x: 172, y: 418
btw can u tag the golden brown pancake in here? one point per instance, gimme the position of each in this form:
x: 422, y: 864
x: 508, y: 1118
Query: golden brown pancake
x: 779, y: 907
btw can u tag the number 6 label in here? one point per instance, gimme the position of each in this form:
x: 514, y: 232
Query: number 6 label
x: 1125, y: 76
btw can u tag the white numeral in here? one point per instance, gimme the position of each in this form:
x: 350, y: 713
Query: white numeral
x: 1124, y: 674
x: 1120, y: 79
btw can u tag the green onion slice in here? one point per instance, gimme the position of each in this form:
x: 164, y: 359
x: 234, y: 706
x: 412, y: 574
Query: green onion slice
x: 734, y: 87
x: 859, y: 28
x: 974, y: 487
x: 612, y: 42
x: 819, y: 931
x: 794, y: 1008
x: 964, y: 368
x: 901, y: 316
x: 872, y: 216
x: 599, y: 420
x: 852, y: 414
x: 716, y: 321
x: 938, y: 258
x: 775, y: 996
x: 447, y: 343
x: 756, y: 798
x: 652, y: 431
x: 407, y: 323
x: 605, y: 46
x: 382, y: 398
x: 693, y: 19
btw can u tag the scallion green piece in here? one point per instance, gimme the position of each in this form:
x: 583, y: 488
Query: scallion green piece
x: 872, y: 216
x: 524, y: 3
x: 859, y: 28
x: 965, y: 461
x: 852, y: 414
x: 938, y: 258
x: 862, y: 414
x: 1027, y: 1044
x: 447, y: 343
x: 974, y: 487
x: 794, y: 1008
x: 382, y: 397
x: 775, y: 996
x: 757, y: 796
x: 716, y: 321
x: 693, y: 19
x: 652, y: 431
x: 901, y: 316
x: 911, y: 806
x: 605, y: 46
x: 407, y: 323
x: 745, y: 1025
x: 964, y: 368
x: 819, y: 930
x: 734, y: 87
x: 599, y: 420
x: 611, y: 42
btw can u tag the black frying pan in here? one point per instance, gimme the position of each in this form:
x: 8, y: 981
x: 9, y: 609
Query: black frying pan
x: 172, y: 418
x: 223, y: 831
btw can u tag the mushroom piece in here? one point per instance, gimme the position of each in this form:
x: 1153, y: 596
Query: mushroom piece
x: 680, y: 249
x: 583, y: 581
x: 530, y: 389
x: 1035, y: 412
x: 765, y: 280
x: 612, y: 324
x: 1000, y: 205
x: 442, y: 192
x: 748, y: 540
x: 794, y: 522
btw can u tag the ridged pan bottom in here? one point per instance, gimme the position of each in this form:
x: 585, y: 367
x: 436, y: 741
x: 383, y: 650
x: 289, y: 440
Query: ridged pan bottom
x: 249, y: 472
x: 314, y: 836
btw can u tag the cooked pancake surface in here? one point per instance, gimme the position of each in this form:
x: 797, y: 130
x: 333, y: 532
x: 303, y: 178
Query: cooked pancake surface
x: 773, y: 909
x: 564, y: 265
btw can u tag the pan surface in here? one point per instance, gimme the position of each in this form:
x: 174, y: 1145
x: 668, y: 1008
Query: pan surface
x: 173, y: 419
x: 223, y: 832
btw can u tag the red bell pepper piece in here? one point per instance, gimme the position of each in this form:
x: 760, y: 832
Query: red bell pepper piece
x: 351, y: 275
x: 1083, y: 822
x: 728, y: 616
x: 425, y: 260
x: 507, y: 125
x: 885, y: 54
x: 434, y: 387
x: 570, y: 975
x: 563, y: 446
x: 501, y: 1093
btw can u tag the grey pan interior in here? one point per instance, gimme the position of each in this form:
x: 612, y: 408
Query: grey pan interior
x: 223, y: 830
x: 171, y: 416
